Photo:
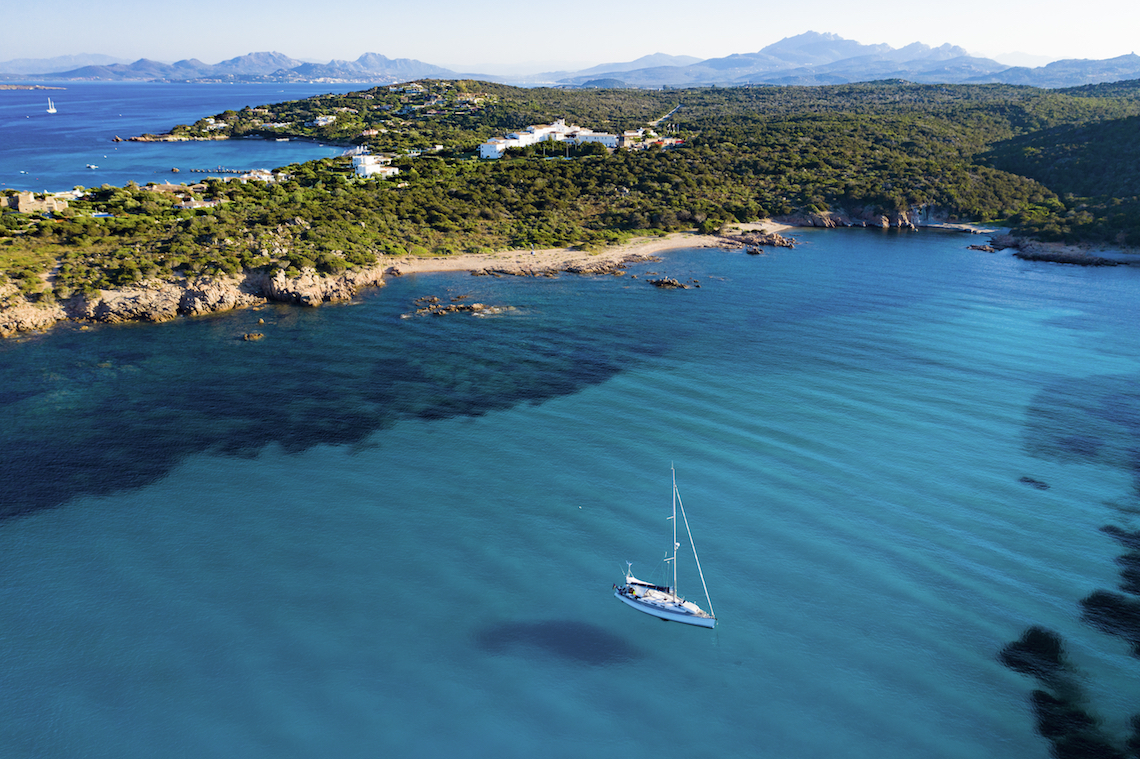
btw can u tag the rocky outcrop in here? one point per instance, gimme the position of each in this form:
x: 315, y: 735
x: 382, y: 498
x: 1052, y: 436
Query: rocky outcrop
x: 431, y: 306
x: 313, y: 289
x: 152, y: 302
x: 163, y: 300
x: 751, y: 240
x: 668, y: 283
x: 28, y: 317
x: 1050, y: 252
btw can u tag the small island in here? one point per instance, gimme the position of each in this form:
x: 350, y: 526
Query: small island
x: 29, y: 87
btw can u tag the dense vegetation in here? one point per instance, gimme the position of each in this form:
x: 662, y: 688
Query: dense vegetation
x: 1095, y: 167
x: 1059, y: 164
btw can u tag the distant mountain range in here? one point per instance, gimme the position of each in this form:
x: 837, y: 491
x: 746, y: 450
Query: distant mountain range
x: 59, y: 63
x: 814, y: 58
x: 254, y: 67
x: 805, y: 59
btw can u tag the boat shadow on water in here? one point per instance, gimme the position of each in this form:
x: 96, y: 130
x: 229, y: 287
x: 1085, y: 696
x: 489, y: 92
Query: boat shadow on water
x: 568, y: 640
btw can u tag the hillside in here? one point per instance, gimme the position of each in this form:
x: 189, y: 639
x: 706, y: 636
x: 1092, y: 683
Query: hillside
x: 1056, y: 164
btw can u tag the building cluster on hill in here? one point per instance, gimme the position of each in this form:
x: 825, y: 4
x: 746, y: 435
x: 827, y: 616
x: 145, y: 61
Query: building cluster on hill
x: 373, y: 166
x: 27, y: 202
x: 559, y: 131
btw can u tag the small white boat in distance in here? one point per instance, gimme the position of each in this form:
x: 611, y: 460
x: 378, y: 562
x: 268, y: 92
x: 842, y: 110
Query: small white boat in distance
x: 661, y: 601
x: 51, y: 106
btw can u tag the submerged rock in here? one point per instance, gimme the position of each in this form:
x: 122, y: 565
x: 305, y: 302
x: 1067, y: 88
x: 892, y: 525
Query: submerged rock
x: 1039, y: 652
x: 1114, y: 614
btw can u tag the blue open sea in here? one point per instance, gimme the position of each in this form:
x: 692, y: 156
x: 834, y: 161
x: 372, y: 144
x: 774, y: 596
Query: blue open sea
x: 50, y: 152
x: 366, y: 535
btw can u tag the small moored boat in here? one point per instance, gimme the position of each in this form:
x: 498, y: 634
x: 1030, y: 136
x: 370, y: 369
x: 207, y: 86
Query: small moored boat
x: 663, y: 601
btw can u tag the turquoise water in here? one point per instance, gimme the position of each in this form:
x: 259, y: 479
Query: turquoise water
x: 367, y: 535
x: 50, y: 152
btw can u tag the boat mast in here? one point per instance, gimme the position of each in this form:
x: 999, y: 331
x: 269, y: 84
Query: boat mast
x: 674, y: 518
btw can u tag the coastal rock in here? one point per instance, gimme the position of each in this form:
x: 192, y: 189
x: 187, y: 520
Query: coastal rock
x: 431, y: 306
x: 1050, y: 252
x: 668, y: 283
x: 163, y: 300
x: 1061, y: 254
x: 313, y: 289
x: 28, y: 317
x: 160, y: 301
x: 827, y: 220
x: 1003, y: 241
x: 910, y: 218
x: 758, y: 239
x: 151, y: 302
x: 207, y: 296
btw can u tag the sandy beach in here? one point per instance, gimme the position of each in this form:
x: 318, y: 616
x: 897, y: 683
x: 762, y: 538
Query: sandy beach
x: 558, y: 259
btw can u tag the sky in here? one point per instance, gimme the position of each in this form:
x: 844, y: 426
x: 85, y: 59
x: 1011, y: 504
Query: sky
x: 492, y: 37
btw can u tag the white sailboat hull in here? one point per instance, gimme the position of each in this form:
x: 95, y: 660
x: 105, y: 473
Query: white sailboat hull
x: 668, y: 609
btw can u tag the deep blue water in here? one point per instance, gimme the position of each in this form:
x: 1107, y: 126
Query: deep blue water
x: 54, y: 149
x: 367, y: 535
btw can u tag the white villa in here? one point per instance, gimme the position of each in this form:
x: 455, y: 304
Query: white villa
x: 559, y: 131
x: 373, y: 166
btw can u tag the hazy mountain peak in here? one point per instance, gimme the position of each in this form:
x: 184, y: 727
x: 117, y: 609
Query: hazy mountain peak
x: 259, y: 63
x: 813, y: 48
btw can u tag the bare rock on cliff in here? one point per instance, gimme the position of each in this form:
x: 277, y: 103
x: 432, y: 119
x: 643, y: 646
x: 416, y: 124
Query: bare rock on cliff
x: 207, y: 296
x: 28, y: 317
x: 313, y: 289
x: 1004, y: 240
x: 151, y: 302
x: 159, y: 300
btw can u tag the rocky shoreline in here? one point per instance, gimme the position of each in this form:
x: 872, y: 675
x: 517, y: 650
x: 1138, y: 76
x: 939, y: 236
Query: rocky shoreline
x: 163, y: 300
x: 1054, y: 253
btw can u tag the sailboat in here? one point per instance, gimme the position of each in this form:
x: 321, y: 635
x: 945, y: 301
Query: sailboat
x: 662, y: 601
x: 51, y: 106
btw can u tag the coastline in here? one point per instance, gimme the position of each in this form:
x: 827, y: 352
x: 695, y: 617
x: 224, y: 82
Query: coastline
x: 162, y: 300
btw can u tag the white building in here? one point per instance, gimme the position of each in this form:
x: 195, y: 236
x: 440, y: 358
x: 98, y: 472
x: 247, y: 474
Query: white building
x: 559, y: 131
x: 373, y: 166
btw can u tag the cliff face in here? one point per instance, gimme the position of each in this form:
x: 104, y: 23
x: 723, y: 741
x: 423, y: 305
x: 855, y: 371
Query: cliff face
x: 913, y: 217
x: 159, y: 300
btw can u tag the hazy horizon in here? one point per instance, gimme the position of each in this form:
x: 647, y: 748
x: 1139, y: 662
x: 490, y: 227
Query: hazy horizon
x: 466, y: 37
x: 506, y: 68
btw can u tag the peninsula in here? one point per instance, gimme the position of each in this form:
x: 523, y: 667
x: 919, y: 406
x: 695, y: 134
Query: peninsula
x: 681, y: 163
